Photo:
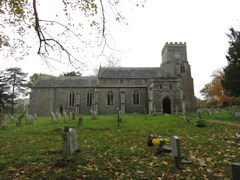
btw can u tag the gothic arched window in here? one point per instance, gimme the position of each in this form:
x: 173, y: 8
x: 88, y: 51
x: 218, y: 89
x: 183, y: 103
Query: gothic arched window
x: 71, y: 99
x: 109, y: 98
x: 136, y: 97
x: 182, y: 69
x: 89, y: 98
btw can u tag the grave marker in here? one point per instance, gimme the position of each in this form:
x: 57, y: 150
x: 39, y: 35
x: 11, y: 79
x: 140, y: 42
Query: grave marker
x: 69, y: 141
x: 80, y: 120
x: 177, y: 110
x: 237, y: 114
x: 31, y: 119
x: 145, y: 114
x: 19, y: 123
x: 3, y: 123
x: 12, y: 119
x: 53, y: 117
x: 59, y: 117
x: 176, y: 153
x: 65, y: 116
x: 73, y: 116
x: 198, y: 114
x: 236, y: 171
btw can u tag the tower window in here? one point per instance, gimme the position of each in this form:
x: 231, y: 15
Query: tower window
x: 136, y: 97
x: 71, y: 99
x: 110, y: 98
x: 182, y: 69
x: 89, y: 98
x: 170, y: 86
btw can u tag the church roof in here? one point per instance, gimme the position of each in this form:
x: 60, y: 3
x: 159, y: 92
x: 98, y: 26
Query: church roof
x: 67, y: 81
x: 129, y: 72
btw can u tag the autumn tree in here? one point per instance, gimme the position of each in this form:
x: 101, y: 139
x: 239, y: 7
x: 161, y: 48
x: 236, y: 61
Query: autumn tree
x: 231, y: 75
x: 214, y: 92
x: 64, y: 35
x: 15, y: 79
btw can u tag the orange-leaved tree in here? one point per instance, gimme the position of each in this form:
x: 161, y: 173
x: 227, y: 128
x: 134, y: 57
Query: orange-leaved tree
x: 214, y: 93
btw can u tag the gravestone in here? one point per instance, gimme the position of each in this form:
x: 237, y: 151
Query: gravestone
x: 59, y: 117
x: 69, y: 141
x: 3, y: 123
x: 93, y: 115
x: 65, y: 116
x: 80, y: 120
x: 53, y: 117
x: 176, y: 152
x: 70, y: 116
x: 118, y: 116
x: 154, y: 111
x: 177, y: 110
x: 12, y: 119
x: 19, y: 123
x: 31, y: 119
x: 198, y: 114
x: 237, y: 114
x: 73, y: 116
x: 236, y: 171
x: 35, y: 116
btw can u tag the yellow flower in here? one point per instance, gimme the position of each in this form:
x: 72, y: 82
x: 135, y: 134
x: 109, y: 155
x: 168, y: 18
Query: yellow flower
x: 156, y: 141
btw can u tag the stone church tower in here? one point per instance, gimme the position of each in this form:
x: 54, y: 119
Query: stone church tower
x: 165, y: 89
x: 175, y: 64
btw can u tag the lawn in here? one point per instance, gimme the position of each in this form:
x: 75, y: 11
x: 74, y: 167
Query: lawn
x: 107, y: 151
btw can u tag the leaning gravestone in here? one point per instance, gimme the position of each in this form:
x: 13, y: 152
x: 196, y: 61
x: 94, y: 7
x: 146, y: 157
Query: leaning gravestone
x: 65, y: 116
x: 19, y: 123
x: 35, y: 116
x: 93, y: 115
x: 176, y: 153
x: 236, y: 171
x: 53, y: 117
x: 27, y: 118
x: 69, y: 141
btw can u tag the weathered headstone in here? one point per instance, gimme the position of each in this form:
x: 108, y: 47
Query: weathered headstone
x: 198, y: 114
x: 12, y: 119
x: 118, y: 116
x: 59, y: 117
x: 31, y: 119
x: 80, y: 120
x: 236, y: 171
x: 93, y: 114
x: 65, y: 116
x: 35, y: 116
x: 237, y: 113
x: 154, y: 111
x: 70, y: 116
x: 69, y: 141
x: 53, y: 117
x: 73, y: 116
x: 176, y: 153
x: 19, y: 123
x: 3, y: 120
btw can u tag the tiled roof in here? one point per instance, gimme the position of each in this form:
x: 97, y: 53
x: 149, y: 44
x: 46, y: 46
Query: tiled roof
x: 126, y: 72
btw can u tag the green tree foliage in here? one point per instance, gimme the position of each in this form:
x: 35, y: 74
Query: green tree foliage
x: 73, y: 73
x: 4, y: 93
x: 231, y: 77
x: 34, y: 78
x: 15, y: 79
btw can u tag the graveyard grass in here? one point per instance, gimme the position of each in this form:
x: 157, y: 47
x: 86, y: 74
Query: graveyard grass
x: 106, y: 151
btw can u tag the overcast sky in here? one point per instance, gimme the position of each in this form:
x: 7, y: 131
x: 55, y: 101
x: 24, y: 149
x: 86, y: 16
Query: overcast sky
x: 201, y: 24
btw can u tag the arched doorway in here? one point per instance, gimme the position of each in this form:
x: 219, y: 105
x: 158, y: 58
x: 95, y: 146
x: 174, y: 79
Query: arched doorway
x: 166, y: 106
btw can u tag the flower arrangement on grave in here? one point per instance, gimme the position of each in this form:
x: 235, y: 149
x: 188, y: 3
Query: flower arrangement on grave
x: 159, y: 141
x: 236, y: 138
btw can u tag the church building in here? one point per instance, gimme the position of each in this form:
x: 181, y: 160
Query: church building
x: 165, y: 89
